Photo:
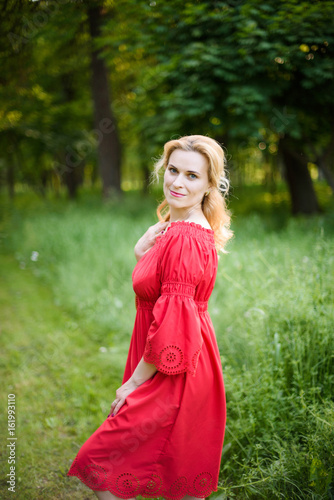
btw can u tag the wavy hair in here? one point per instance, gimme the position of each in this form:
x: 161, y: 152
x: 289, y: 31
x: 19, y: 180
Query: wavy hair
x: 213, y: 205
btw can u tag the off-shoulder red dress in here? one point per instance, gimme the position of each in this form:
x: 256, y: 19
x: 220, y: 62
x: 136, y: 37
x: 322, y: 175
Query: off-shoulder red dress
x: 167, y: 439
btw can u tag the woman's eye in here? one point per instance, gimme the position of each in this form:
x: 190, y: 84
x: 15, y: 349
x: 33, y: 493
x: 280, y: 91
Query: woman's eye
x: 172, y: 169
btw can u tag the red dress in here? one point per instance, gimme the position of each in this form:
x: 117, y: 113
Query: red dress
x: 167, y: 439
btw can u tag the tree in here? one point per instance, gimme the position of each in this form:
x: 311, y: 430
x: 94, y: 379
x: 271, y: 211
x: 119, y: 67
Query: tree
x: 47, y: 97
x: 109, y: 147
x: 243, y: 70
x: 14, y: 71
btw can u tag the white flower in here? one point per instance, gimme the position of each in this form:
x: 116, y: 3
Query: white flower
x: 103, y: 349
x: 34, y: 256
x: 254, y: 309
x: 118, y: 303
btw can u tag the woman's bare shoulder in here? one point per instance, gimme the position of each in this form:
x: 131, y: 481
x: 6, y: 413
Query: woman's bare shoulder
x: 201, y: 222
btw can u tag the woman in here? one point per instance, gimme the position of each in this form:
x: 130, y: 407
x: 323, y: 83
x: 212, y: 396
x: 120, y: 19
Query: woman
x: 164, y: 434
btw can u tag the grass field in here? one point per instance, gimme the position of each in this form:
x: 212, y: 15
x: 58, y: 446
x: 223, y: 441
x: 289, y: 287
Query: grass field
x: 67, y: 314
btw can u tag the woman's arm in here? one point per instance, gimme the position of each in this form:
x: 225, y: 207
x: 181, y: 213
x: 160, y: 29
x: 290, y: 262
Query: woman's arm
x: 138, y: 255
x: 143, y: 372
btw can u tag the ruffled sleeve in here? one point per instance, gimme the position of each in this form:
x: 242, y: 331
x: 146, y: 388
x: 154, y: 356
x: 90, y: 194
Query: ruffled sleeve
x: 174, y: 339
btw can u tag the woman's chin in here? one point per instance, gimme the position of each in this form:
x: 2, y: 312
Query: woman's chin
x: 170, y: 198
x: 175, y: 203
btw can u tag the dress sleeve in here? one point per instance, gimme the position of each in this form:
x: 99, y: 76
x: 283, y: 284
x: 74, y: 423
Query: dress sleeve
x: 174, y: 339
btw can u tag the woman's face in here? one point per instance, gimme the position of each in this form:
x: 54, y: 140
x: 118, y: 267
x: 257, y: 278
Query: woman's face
x: 186, y: 174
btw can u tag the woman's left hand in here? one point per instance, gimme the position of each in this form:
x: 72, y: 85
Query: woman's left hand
x: 121, y: 395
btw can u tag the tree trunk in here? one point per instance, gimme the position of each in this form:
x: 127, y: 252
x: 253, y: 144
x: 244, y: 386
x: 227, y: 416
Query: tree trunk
x: 73, y: 178
x: 73, y: 162
x: 109, y: 150
x: 303, y: 197
x: 324, y: 160
x: 327, y: 173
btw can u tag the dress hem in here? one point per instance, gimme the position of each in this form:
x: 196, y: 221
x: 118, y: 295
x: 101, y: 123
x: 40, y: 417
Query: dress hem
x: 159, y: 493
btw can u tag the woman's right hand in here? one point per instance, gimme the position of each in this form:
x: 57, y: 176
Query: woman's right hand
x: 149, y: 238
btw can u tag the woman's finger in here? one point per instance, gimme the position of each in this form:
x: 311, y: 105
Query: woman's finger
x: 159, y: 226
x: 113, y: 404
x: 160, y: 229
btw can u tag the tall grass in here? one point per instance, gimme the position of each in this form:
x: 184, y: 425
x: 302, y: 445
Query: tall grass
x: 272, y: 309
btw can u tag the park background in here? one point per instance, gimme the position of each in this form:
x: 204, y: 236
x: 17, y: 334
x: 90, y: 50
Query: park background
x: 89, y: 93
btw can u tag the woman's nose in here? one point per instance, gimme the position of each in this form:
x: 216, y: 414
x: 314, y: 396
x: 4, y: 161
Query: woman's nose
x: 178, y: 181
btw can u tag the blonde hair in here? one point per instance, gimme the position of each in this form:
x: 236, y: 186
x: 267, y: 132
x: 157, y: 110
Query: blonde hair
x: 213, y: 205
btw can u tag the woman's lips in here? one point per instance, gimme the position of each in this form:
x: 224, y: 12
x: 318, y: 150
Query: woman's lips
x: 176, y: 194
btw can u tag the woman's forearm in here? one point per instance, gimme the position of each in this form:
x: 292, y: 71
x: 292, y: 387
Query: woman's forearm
x: 137, y: 255
x: 143, y: 372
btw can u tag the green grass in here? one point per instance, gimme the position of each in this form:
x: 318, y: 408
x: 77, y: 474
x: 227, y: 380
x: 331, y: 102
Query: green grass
x: 56, y: 401
x: 272, y: 309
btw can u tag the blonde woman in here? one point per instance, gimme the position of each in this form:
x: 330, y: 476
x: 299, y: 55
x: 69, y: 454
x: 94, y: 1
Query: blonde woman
x: 164, y: 435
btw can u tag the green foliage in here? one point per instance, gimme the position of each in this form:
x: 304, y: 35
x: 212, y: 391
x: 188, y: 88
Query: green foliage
x: 45, y: 104
x: 247, y: 73
x: 275, y: 333
x: 232, y: 60
x: 242, y: 71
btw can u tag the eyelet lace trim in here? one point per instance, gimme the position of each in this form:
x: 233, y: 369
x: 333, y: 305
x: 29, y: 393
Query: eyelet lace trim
x: 171, y: 359
x: 127, y: 484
